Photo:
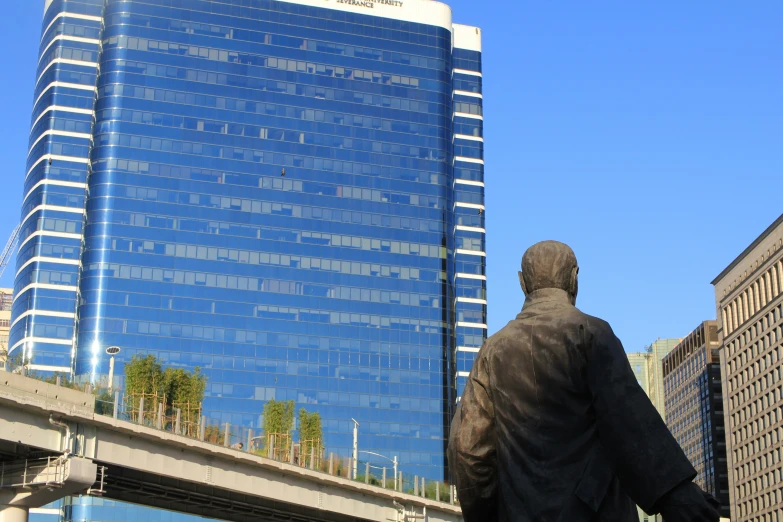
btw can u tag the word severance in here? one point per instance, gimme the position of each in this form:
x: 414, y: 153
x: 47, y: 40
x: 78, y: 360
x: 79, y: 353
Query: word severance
x: 371, y: 3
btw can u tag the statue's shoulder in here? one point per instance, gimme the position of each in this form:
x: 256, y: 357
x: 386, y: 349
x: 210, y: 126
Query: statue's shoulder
x: 509, y: 334
x: 594, y: 325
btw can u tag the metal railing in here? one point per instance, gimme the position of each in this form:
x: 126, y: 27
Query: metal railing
x: 30, y: 473
x: 248, y: 440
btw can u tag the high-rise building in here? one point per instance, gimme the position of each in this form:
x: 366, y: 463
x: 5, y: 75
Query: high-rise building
x: 6, y: 299
x: 638, y: 363
x: 749, y: 300
x: 647, y: 367
x: 694, y: 408
x: 657, y: 351
x: 287, y: 194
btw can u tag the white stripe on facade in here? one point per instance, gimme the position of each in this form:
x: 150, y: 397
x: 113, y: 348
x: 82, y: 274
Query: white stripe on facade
x: 467, y: 93
x: 45, y: 368
x: 57, y: 260
x: 65, y: 61
x: 67, y: 134
x: 467, y: 37
x: 45, y: 286
x: 44, y: 313
x: 53, y: 208
x: 468, y: 160
x: 463, y: 228
x: 463, y: 374
x: 47, y: 233
x: 471, y: 252
x: 463, y: 275
x: 467, y: 115
x: 466, y: 137
x: 70, y: 15
x: 68, y: 38
x: 47, y: 340
x: 459, y: 181
x: 65, y: 85
x: 468, y: 205
x: 60, y: 108
x: 470, y: 300
x: 465, y: 71
x: 57, y: 157
x: 46, y: 511
x: 58, y: 183
x: 464, y: 324
x: 469, y: 349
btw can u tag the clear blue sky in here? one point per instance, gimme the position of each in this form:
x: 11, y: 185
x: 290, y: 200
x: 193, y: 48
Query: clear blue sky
x: 648, y: 137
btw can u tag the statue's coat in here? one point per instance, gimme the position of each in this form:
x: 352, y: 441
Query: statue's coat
x: 554, y: 427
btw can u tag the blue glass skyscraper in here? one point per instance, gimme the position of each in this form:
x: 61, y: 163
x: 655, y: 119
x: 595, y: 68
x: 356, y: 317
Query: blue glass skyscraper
x: 289, y: 195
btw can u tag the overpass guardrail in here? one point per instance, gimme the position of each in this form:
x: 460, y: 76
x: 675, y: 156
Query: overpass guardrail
x: 278, y: 447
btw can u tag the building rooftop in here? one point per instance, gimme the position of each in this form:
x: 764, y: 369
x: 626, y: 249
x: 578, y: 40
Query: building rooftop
x: 762, y: 237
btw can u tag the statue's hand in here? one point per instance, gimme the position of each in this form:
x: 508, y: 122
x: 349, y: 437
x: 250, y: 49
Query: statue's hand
x: 688, y: 503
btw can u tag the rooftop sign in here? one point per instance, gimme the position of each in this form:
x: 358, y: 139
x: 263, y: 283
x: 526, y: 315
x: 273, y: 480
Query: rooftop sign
x: 426, y: 12
x: 371, y: 3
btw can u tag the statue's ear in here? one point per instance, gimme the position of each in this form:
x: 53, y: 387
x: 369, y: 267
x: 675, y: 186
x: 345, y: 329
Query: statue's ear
x: 574, y: 280
x: 522, y: 283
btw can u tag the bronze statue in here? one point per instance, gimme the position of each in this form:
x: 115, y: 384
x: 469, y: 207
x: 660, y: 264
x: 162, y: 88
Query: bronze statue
x: 553, y: 425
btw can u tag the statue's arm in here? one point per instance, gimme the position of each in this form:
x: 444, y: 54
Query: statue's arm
x: 472, y: 453
x: 647, y: 459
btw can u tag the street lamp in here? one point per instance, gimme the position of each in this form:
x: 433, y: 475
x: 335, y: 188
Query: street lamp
x: 355, y: 446
x: 393, y: 461
x: 112, y: 351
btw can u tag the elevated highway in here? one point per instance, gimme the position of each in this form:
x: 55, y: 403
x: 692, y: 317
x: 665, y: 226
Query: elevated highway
x: 123, y: 461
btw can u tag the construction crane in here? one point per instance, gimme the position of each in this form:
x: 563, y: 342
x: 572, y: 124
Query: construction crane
x: 5, y: 257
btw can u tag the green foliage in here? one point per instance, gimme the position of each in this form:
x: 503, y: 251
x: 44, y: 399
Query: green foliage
x: 213, y: 434
x: 371, y: 481
x: 430, y: 490
x: 64, y: 382
x: 144, y: 375
x: 309, y: 425
x: 16, y: 363
x: 176, y: 387
x: 181, y: 386
x: 310, y: 432
x: 104, y: 403
x: 278, y: 417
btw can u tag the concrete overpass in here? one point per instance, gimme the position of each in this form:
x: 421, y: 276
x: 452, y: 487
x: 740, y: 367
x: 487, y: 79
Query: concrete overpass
x: 56, y: 445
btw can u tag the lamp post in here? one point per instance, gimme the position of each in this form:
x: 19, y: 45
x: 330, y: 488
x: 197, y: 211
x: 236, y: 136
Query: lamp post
x: 112, y: 351
x: 393, y: 461
x: 355, y: 446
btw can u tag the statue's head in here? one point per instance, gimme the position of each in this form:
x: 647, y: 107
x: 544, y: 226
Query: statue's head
x: 550, y: 264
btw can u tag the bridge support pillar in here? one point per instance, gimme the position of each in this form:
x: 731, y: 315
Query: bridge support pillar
x: 13, y: 513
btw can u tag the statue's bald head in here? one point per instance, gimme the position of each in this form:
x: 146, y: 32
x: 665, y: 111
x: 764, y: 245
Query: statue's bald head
x: 549, y: 264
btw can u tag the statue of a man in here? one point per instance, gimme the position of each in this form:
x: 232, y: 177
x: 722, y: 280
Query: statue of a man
x: 553, y: 425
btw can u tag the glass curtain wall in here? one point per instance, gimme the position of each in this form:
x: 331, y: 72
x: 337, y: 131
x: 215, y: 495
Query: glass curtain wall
x: 272, y: 206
